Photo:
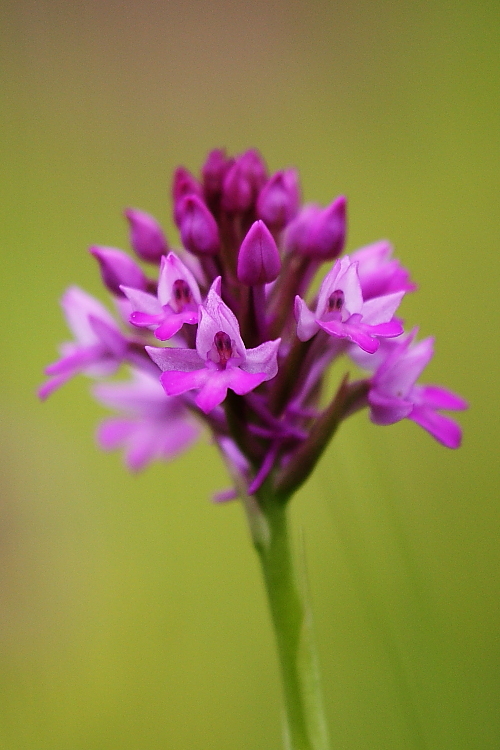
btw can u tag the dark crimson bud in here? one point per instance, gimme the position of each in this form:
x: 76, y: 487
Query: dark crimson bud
x: 118, y: 268
x: 318, y: 232
x: 258, y: 260
x: 199, y: 231
x: 279, y: 199
x: 183, y: 184
x: 214, y: 171
x: 146, y: 236
x: 243, y: 182
x: 328, y: 239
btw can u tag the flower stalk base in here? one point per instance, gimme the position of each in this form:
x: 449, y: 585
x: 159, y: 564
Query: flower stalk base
x: 305, y: 725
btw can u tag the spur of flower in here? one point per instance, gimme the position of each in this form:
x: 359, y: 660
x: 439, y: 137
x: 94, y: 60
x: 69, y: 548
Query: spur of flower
x: 225, y: 331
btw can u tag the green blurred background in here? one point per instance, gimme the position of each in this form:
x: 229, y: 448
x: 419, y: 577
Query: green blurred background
x: 132, y: 614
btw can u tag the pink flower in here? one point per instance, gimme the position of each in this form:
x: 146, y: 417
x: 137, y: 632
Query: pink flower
x: 342, y: 312
x: 220, y: 360
x: 153, y: 425
x: 394, y: 393
x: 99, y: 348
x: 379, y: 273
x: 177, y: 301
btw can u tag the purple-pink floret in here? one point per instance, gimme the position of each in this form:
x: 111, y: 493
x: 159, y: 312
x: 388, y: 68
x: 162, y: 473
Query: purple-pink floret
x: 151, y: 426
x: 342, y: 312
x: 99, y: 346
x: 220, y: 360
x: 177, y: 301
x: 249, y: 343
x: 394, y: 393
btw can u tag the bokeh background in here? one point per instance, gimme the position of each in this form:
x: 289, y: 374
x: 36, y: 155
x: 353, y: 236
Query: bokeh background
x: 132, y: 614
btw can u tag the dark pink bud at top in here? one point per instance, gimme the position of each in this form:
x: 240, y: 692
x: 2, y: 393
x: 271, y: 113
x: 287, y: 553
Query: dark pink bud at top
x: 258, y: 260
x: 183, y: 184
x: 243, y: 181
x: 214, y: 171
x: 146, y: 236
x: 319, y: 232
x: 298, y: 231
x: 328, y: 236
x: 199, y: 231
x: 278, y: 201
x: 118, y: 268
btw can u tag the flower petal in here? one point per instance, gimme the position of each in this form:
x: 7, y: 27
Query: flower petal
x: 444, y: 429
x: 168, y: 358
x: 440, y: 398
x: 306, y: 321
x: 176, y: 382
x: 381, y: 309
x: 352, y: 332
x: 263, y: 359
x: 142, y: 302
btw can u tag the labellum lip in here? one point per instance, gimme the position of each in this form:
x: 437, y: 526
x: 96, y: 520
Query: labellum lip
x: 336, y: 301
x: 181, y: 294
x: 224, y: 347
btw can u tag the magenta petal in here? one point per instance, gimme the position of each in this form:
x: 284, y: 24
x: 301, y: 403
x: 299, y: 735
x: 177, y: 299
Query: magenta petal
x: 214, y: 390
x: 306, y: 321
x: 171, y: 442
x: 112, y: 433
x: 174, y: 322
x: 352, y: 333
x: 73, y: 363
x: 168, y: 358
x: 169, y: 327
x: 143, y: 320
x: 444, y: 429
x: 110, y: 336
x: 225, y: 496
x: 381, y: 309
x: 141, y: 448
x: 175, y: 383
x: 52, y: 385
x: 217, y: 382
x: 263, y: 359
x: 242, y: 382
x: 441, y: 398
x: 388, y: 330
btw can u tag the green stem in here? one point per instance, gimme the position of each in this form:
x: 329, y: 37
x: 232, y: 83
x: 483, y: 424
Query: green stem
x: 305, y: 722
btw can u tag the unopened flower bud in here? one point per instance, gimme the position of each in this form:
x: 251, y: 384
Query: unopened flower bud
x: 319, y: 232
x: 183, y: 184
x: 118, y: 268
x: 243, y: 181
x: 214, y: 171
x: 258, y: 259
x: 146, y: 236
x: 278, y: 201
x: 199, y: 231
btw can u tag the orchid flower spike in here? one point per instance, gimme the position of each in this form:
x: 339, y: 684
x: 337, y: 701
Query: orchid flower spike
x: 249, y: 347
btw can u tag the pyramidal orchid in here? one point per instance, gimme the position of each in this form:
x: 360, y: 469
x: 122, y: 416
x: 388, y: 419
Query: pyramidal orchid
x: 227, y: 333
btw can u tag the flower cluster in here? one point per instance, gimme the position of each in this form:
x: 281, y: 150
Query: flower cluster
x: 231, y: 335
